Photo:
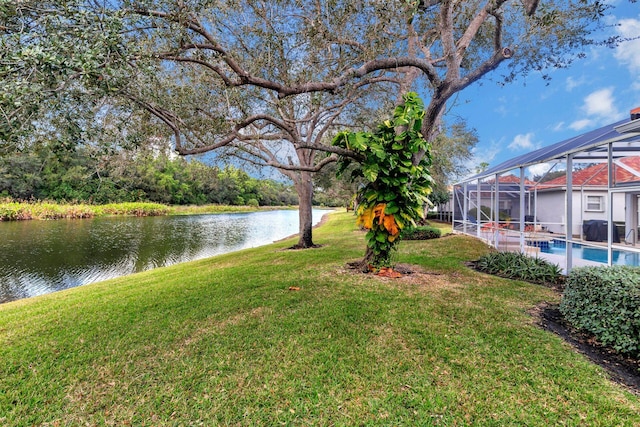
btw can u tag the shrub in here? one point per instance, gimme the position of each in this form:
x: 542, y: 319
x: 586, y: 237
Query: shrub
x: 253, y: 203
x: 11, y: 211
x: 421, y: 233
x: 516, y: 265
x: 605, y: 301
x: 487, y: 214
x: 133, y: 208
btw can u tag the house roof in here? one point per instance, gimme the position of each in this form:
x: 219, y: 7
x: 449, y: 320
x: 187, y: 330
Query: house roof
x: 511, y: 179
x: 588, y: 147
x: 626, y: 170
x: 509, y: 185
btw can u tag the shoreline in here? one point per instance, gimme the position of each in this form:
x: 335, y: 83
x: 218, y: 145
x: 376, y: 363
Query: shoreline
x: 11, y: 211
x: 323, y: 220
x: 54, y: 286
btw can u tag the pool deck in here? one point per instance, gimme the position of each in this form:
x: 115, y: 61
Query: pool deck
x: 561, y: 261
x: 512, y: 243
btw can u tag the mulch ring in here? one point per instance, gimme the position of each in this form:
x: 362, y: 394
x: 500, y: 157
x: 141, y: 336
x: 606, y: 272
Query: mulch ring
x: 621, y: 369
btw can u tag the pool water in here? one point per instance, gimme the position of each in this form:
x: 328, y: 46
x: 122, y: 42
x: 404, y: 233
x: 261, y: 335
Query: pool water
x: 590, y: 253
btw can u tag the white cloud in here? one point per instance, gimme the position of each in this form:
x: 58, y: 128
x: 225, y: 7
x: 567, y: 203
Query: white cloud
x: 580, y: 124
x: 598, y: 108
x: 572, y: 83
x: 523, y: 141
x: 539, y: 170
x: 601, y: 104
x: 484, y: 155
x: 558, y: 127
x: 628, y: 53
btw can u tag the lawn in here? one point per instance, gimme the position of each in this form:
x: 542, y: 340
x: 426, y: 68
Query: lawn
x: 223, y: 341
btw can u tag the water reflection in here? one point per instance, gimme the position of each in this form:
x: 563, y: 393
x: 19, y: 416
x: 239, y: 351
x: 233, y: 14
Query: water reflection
x: 38, y: 257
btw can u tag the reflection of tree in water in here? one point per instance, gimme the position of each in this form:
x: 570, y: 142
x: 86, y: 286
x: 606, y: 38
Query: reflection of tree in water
x: 163, y: 241
x: 38, y: 257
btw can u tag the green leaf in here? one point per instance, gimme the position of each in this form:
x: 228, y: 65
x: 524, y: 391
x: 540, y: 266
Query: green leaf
x: 388, y: 196
x: 371, y: 172
x: 391, y: 208
x: 401, y: 136
x: 357, y: 141
x: 371, y: 196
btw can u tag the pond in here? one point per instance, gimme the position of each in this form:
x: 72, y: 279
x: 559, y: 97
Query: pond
x: 38, y: 257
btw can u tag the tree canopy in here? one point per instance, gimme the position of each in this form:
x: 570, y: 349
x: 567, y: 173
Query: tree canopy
x: 140, y: 50
x: 266, y: 81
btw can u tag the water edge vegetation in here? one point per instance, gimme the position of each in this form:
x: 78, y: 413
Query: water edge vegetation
x: 225, y: 341
x: 11, y: 210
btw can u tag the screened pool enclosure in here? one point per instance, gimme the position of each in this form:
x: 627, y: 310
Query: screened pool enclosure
x: 582, y: 211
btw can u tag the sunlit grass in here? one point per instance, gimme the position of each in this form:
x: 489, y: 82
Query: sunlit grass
x: 223, y: 341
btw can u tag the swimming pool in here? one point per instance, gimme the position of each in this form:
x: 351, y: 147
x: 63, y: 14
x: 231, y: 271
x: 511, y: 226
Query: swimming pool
x: 620, y: 257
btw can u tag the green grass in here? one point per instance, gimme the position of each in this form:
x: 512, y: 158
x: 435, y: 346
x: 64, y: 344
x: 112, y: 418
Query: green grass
x: 223, y: 341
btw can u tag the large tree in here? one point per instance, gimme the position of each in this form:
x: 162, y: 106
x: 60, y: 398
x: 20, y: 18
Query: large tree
x: 252, y: 124
x: 334, y: 49
x: 251, y: 59
x: 159, y: 58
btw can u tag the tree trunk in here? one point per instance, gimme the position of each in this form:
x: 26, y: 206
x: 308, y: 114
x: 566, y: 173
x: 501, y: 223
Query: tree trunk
x: 304, y: 188
x: 364, y: 265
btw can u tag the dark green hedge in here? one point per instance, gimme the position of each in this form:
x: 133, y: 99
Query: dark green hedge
x: 423, y: 232
x: 605, y: 301
x: 516, y: 265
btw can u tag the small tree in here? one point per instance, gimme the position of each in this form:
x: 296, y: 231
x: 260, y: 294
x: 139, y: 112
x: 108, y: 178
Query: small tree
x: 397, y: 189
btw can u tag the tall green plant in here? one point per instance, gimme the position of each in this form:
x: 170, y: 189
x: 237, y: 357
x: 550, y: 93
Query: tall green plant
x: 397, y: 185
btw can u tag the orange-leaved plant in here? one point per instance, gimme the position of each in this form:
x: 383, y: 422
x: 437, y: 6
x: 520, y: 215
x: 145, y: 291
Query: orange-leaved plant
x: 398, y: 185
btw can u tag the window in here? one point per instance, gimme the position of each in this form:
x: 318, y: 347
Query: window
x: 595, y: 204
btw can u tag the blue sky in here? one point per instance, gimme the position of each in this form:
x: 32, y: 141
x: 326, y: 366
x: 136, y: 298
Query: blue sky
x: 532, y: 113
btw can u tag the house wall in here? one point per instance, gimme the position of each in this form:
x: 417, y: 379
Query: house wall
x: 551, y: 209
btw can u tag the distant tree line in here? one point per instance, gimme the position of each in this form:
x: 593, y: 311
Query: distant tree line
x: 70, y: 173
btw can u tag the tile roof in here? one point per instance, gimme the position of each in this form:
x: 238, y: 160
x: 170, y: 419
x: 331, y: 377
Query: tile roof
x: 597, y: 175
x: 511, y: 179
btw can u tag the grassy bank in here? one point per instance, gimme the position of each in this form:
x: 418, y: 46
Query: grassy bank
x: 16, y: 211
x: 223, y: 341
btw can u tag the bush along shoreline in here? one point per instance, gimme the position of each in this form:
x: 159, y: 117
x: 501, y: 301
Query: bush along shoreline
x: 11, y: 210
x: 20, y: 211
